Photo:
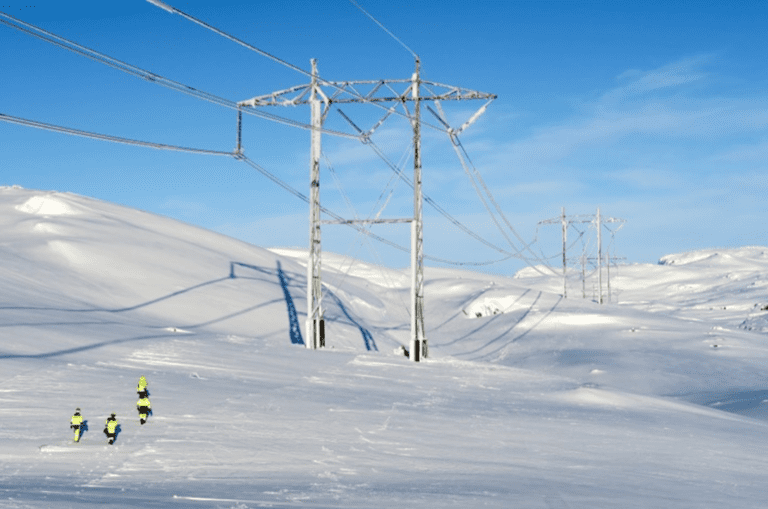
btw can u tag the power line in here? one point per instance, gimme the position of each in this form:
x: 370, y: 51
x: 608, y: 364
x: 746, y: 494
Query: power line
x: 496, y: 205
x: 174, y: 10
x: 238, y: 156
x: 151, y: 76
x: 381, y: 25
x: 106, y: 137
x: 366, y: 240
x: 314, y: 96
x: 368, y: 141
x: 357, y: 227
x: 174, y: 85
x: 458, y: 146
x: 338, y: 86
x: 473, y: 175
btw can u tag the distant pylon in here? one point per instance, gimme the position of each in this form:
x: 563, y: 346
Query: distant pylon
x: 598, y: 221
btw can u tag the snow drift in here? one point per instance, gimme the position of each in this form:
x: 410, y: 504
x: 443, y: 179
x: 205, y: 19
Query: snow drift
x: 528, y: 399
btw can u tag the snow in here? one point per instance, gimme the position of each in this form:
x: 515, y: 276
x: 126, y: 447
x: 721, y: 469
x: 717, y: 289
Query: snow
x: 657, y: 398
x: 47, y: 205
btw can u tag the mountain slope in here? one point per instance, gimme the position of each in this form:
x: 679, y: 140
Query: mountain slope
x: 549, y: 402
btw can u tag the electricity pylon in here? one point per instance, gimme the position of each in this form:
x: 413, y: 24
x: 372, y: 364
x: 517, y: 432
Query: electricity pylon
x: 320, y: 92
x: 597, y: 221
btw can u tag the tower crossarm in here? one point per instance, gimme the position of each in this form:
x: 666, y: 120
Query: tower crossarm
x: 366, y: 91
x: 398, y: 93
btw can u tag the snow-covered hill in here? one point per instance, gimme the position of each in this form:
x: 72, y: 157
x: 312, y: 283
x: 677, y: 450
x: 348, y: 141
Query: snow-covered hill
x: 656, y: 399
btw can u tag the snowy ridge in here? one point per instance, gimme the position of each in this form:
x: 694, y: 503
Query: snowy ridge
x: 528, y: 399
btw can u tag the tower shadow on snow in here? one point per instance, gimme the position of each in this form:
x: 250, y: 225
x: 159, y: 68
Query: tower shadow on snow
x: 294, y: 327
x: 293, y: 319
x: 284, y: 280
x: 370, y: 343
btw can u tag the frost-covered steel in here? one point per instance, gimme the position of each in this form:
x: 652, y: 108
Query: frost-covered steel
x: 400, y: 92
x: 418, y: 334
x: 367, y: 91
x: 314, y: 281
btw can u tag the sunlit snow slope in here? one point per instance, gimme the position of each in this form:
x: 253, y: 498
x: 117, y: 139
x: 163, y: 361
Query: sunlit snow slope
x: 528, y: 399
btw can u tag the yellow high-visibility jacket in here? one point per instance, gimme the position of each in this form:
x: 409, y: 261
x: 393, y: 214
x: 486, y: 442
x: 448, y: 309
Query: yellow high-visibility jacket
x: 143, y: 402
x: 111, y: 425
x: 77, y: 420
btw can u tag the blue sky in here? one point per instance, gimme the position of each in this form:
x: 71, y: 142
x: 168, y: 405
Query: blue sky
x: 656, y: 113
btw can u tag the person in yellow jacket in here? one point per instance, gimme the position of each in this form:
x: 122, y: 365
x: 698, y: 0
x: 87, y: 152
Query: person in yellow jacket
x: 144, y: 407
x: 75, y: 423
x: 110, y: 428
x: 142, y: 389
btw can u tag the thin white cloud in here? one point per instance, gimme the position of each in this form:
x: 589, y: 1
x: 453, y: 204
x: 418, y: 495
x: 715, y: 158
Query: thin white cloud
x: 622, y: 112
x: 677, y: 73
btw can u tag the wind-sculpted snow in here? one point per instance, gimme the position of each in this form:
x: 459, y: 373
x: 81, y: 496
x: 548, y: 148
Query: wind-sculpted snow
x: 528, y: 399
x: 757, y: 318
x: 741, y: 258
x: 48, y: 205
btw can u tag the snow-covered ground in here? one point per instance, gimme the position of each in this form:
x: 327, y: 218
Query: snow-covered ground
x: 655, y: 399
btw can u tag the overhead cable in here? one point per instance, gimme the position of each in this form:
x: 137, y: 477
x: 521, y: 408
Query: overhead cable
x: 357, y: 227
x: 339, y: 87
x: 458, y: 146
x: 381, y: 25
x: 474, y: 175
x: 151, y: 76
x: 174, y: 10
x: 236, y: 155
x: 106, y: 137
x: 365, y: 138
x: 344, y: 273
x: 491, y: 198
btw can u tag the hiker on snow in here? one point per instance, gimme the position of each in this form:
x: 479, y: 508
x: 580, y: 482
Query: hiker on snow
x: 110, y: 428
x: 75, y: 423
x: 144, y: 407
x: 141, y: 389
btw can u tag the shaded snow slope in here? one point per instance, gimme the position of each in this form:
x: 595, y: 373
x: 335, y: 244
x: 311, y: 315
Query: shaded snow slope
x: 527, y: 400
x: 67, y: 254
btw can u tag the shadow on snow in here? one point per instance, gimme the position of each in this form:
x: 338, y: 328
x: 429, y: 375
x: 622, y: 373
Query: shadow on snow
x: 283, y: 279
x: 370, y: 344
x: 294, y: 330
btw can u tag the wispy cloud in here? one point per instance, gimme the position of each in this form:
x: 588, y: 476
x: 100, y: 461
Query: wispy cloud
x: 675, y: 74
x: 659, y: 105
